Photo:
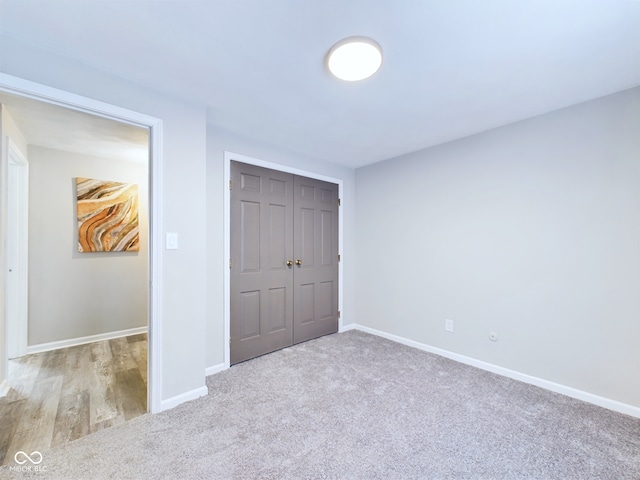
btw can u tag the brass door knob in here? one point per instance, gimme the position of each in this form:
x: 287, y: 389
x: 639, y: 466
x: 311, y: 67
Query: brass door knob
x: 289, y: 263
x: 298, y: 262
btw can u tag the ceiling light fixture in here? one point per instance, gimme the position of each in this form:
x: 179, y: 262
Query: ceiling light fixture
x: 354, y: 58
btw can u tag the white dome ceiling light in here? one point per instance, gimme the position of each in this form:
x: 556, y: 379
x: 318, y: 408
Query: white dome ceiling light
x: 354, y: 58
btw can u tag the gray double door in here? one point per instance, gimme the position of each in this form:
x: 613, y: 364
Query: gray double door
x: 284, y: 260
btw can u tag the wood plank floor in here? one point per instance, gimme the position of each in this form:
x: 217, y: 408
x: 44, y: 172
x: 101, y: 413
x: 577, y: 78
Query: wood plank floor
x: 61, y: 395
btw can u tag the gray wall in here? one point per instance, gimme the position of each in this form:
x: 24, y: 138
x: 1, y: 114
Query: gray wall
x: 74, y: 294
x: 531, y: 230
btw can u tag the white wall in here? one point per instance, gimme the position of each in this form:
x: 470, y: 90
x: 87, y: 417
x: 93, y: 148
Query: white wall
x: 72, y: 294
x: 531, y: 230
x: 217, y: 143
x: 8, y: 128
x: 183, y: 200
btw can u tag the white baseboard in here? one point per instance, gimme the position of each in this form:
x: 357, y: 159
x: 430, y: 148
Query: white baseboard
x: 538, y: 382
x: 351, y: 326
x: 183, y: 397
x: 72, y: 342
x: 212, y: 370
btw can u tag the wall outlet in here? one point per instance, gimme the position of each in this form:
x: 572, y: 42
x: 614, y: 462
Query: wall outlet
x: 448, y: 325
x: 172, y: 241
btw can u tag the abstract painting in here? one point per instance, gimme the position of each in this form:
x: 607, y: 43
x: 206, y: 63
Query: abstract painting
x: 107, y: 216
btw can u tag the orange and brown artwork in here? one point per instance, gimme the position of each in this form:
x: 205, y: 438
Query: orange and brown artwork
x: 107, y: 216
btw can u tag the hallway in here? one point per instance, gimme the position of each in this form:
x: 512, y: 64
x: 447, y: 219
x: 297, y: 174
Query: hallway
x: 61, y: 395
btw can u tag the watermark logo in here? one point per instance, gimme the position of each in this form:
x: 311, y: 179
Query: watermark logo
x: 28, y: 463
x: 21, y: 458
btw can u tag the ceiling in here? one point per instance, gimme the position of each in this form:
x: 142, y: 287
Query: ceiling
x: 49, y: 125
x: 451, y: 68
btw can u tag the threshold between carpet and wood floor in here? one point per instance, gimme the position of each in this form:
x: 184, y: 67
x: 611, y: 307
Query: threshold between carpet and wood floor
x: 357, y: 406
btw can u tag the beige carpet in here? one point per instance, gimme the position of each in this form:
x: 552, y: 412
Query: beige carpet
x: 355, y: 406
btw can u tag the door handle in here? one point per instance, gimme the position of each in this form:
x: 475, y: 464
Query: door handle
x: 299, y: 262
x: 289, y: 263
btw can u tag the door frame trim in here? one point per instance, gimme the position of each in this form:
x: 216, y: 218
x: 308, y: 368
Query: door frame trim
x: 228, y: 157
x: 16, y: 328
x: 37, y: 91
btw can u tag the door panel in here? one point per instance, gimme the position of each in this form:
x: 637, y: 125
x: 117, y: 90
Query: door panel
x: 316, y: 245
x: 277, y: 309
x: 250, y: 314
x: 250, y: 237
x: 306, y: 243
x: 277, y: 217
x: 306, y: 304
x: 277, y: 234
x: 261, y: 281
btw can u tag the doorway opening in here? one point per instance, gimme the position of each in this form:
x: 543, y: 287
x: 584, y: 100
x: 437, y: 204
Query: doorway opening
x: 19, y: 88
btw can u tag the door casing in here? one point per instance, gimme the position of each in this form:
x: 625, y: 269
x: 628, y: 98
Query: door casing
x: 228, y: 157
x: 17, y: 280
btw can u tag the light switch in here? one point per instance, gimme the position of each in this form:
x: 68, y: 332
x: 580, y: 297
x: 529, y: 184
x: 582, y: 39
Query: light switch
x: 172, y: 241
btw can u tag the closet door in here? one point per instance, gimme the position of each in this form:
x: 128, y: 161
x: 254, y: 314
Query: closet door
x: 261, y: 244
x: 284, y: 260
x: 315, y: 290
